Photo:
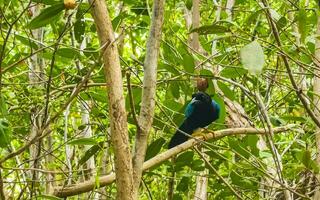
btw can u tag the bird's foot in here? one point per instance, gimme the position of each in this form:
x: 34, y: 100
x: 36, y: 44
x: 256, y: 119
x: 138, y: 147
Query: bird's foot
x: 199, y: 133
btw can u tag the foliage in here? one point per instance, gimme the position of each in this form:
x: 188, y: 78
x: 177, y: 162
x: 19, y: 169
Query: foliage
x: 244, y: 45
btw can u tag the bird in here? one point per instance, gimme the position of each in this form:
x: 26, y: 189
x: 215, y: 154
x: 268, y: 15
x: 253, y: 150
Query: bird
x: 199, y: 113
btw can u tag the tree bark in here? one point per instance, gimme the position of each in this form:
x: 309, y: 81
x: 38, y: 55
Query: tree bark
x: 148, y: 92
x: 194, y: 43
x: 229, y: 7
x: 87, y: 133
x: 316, y: 90
x: 117, y: 112
x: 36, y: 72
x: 202, y: 182
x: 105, y: 180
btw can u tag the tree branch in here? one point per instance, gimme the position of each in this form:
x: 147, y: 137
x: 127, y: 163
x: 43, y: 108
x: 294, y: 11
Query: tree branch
x: 148, y: 92
x: 116, y: 101
x: 87, y: 186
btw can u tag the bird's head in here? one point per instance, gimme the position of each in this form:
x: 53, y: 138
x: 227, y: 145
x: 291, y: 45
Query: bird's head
x: 201, y: 96
x: 202, y: 84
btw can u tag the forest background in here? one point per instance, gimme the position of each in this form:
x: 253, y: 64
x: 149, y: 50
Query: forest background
x: 91, y: 93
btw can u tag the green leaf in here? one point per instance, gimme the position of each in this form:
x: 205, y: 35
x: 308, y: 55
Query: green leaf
x: 235, y: 178
x: 189, y: 4
x: 197, y: 165
x: 174, y: 89
x: 252, y: 57
x: 169, y: 68
x: 233, y: 72
x: 281, y: 23
x: 5, y: 133
x: 79, y: 26
x: 188, y: 62
x: 91, y: 53
x: 242, y: 182
x: 129, y: 2
x: 219, y: 124
x: 293, y: 118
x: 302, y: 24
x: 177, y: 197
x: 47, y: 197
x: 253, y: 17
x: 206, y: 72
x: 265, y: 154
x: 82, y: 127
x: 67, y: 53
x: 26, y: 41
x: 170, y: 54
x: 305, y: 157
x: 46, y: 16
x: 117, y: 20
x: 239, y: 147
x: 99, y: 95
x: 276, y: 121
x: 47, y: 2
x: 154, y: 148
x: 89, y: 153
x: 3, y: 107
x: 173, y: 105
x: 226, y: 91
x: 136, y: 94
x: 83, y: 141
x: 184, y: 159
x: 251, y: 142
x: 183, y: 184
x: 140, y: 9
x: 210, y: 29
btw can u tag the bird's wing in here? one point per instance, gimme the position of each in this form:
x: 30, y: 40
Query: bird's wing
x: 216, y: 107
x: 190, y: 108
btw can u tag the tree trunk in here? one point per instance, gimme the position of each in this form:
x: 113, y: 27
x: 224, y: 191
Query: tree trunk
x: 316, y: 90
x: 35, y: 77
x: 148, y: 92
x: 117, y: 112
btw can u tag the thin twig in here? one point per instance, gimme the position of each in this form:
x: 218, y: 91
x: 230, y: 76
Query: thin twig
x: 131, y: 101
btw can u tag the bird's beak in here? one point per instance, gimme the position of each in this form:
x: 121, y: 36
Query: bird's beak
x: 193, y: 100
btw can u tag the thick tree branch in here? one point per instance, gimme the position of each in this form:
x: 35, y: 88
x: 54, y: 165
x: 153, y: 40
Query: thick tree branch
x: 118, y: 117
x: 148, y: 92
x: 108, y: 179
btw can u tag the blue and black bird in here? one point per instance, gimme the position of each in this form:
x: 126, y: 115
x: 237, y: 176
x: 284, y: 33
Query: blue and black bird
x: 200, y: 112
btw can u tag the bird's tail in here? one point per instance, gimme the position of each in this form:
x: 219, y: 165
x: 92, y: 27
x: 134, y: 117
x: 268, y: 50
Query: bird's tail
x: 179, y: 137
